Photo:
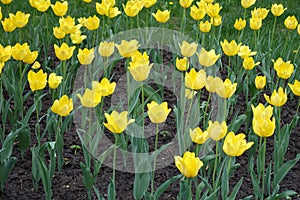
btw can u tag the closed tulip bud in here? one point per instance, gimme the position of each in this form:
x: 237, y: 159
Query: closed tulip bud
x: 216, y: 21
x: 104, y: 87
x: 260, y: 82
x: 212, y: 83
x: 260, y: 13
x: 131, y: 9
x: 261, y: 111
x: 195, y: 80
x: 205, y: 26
x: 198, y: 136
x: 36, y: 65
x: 86, y: 56
x: 6, y: 1
x: 197, y: 13
x: 230, y: 48
x: 213, y: 10
x: 239, y: 24
x: 291, y: 22
x: 58, y: 33
x: 247, y: 3
x: 245, y: 52
x: 182, y: 64
x: 20, y: 19
x: 249, y: 63
x: 64, y: 52
x: 255, y: 23
x: 277, y: 9
x: 162, y: 16
x: 226, y: 89
x: 189, y: 94
x: 149, y: 3
x: 277, y: 98
x: 60, y: 8
x: 236, y: 145
x: 127, y: 49
x: 106, y: 49
x: 90, y: 98
x: 5, y: 53
x: 185, y: 3
x: 216, y: 130
x: 37, y: 81
x: 188, y: 165
x: 295, y: 87
x: 188, y: 49
x: 8, y: 25
x: 158, y: 113
x: 54, y: 80
x: 63, y: 107
x: 208, y: 58
x: 117, y: 122
x: 263, y: 127
x: 92, y: 23
x: 42, y: 5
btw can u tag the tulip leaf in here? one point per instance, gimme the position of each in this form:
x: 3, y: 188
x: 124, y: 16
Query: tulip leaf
x: 141, y: 184
x: 236, y: 189
x: 151, y: 94
x: 165, y: 185
x: 111, y: 194
x: 88, y: 179
x: 5, y: 168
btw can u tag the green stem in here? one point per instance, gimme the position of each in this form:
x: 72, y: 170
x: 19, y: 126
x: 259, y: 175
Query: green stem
x: 38, y: 134
x: 190, y: 188
x: 296, y: 54
x: 215, y: 166
x: 182, y: 21
x: 154, y: 163
x: 114, y: 159
x: 273, y: 30
x: 229, y: 166
x: 298, y: 107
x: 263, y: 175
x: 143, y: 109
x: 206, y: 107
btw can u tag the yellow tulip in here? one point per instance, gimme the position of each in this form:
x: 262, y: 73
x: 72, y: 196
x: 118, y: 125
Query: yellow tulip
x: 20, y: 19
x: 198, y: 136
x: 277, y: 9
x: 31, y: 57
x: 64, y: 52
x: 261, y: 111
x: 247, y: 3
x: 182, y: 64
x: 90, y: 98
x: 37, y: 81
x: 188, y: 165
x: 255, y: 23
x: 8, y: 25
x: 185, y: 3
x: 263, y: 127
x: 60, y: 8
x: 208, y: 1
x: 63, y: 106
x: 86, y: 56
x: 22, y: 52
x: 76, y: 37
x: 106, y: 49
x: 117, y: 122
x: 54, y: 80
x: 189, y: 94
x: 67, y: 24
x: 249, y: 63
x: 104, y: 87
x: 197, y: 13
x: 239, y: 24
x: 277, y: 63
x: 140, y: 66
x: 42, y: 5
x: 87, y: 1
x: 216, y: 130
x: 295, y: 87
x: 107, y: 8
x: 225, y: 89
x: 212, y: 83
x: 260, y: 82
x: 285, y: 70
x: 149, y: 3
x: 36, y: 65
x: 205, y: 26
x: 260, y: 13
x: 298, y: 29
x: 195, y: 80
x: 245, y: 52
x: 58, y: 32
x: 5, y: 53
x: 158, y: 113
x: 2, y: 64
x: 162, y: 16
x: 236, y: 145
x: 188, y: 49
x: 213, y: 10
x: 277, y: 98
x: 291, y: 22
x: 127, y: 48
x: 92, y: 23
x: 6, y: 1
x: 131, y: 9
x: 230, y: 48
x: 208, y: 58
x: 216, y: 21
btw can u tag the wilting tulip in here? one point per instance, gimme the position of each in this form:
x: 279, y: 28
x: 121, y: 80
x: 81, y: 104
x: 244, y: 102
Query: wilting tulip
x: 239, y: 24
x: 188, y: 49
x: 117, y: 122
x: 54, y: 80
x: 249, y: 63
x: 188, y: 165
x: 104, y: 88
x: 162, y: 16
x: 37, y: 81
x: 60, y: 8
x: 106, y: 49
x: 225, y: 89
x: 216, y: 130
x: 247, y: 3
x: 90, y: 98
x: 277, y: 9
x: 198, y: 136
x: 158, y: 113
x: 236, y: 145
x: 195, y: 80
x: 277, y: 98
x: 205, y: 26
x: 295, y: 87
x: 208, y: 58
x: 230, y: 48
x: 291, y: 22
x: 85, y: 56
x: 127, y: 49
x: 260, y: 82
x: 182, y: 64
x: 63, y: 106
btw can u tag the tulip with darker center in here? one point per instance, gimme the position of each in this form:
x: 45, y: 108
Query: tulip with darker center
x: 188, y: 165
x: 117, y: 122
x: 158, y: 113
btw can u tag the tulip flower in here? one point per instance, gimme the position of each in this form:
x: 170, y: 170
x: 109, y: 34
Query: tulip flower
x: 60, y: 8
x: 104, y: 87
x: 127, y: 49
x: 198, y: 136
x: 230, y: 48
x: 117, y: 122
x: 188, y: 165
x: 291, y: 22
x: 140, y: 66
x: 277, y: 98
x: 188, y: 49
x: 285, y: 70
x: 216, y: 21
x: 92, y: 23
x: 295, y: 87
x: 1, y: 66
x: 182, y: 64
x: 211, y: 83
x: 208, y: 58
x: 185, y: 3
x: 37, y: 81
x: 8, y: 25
x: 106, y: 49
x: 90, y: 98
x: 162, y: 16
x: 205, y: 26
x: 195, y: 80
x: 255, y: 23
x: 236, y: 145
x: 260, y: 82
x: 5, y: 53
x: 247, y: 3
x: 217, y: 130
x: 85, y: 56
x: 260, y: 13
x: 213, y: 10
x: 158, y: 113
x: 36, y: 65
x: 225, y: 89
x: 6, y: 1
x: 263, y: 127
x: 54, y: 80
x: 261, y: 111
x: 63, y: 106
x: 277, y: 9
x: 42, y: 5
x: 131, y: 9
x: 189, y: 94
x: 31, y: 57
x: 107, y: 8
x: 76, y: 37
x: 67, y: 24
x: 58, y: 32
x: 245, y: 52
x: 87, y: 1
x: 64, y: 52
x: 22, y: 52
x: 198, y: 13
x: 239, y: 24
x: 149, y: 3
x: 249, y: 63
x: 20, y: 19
